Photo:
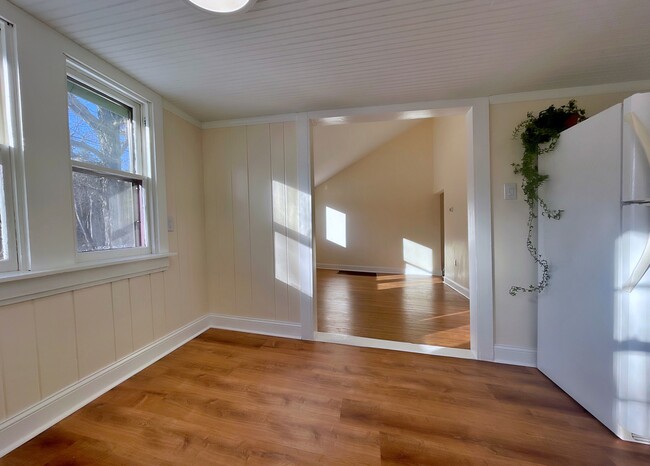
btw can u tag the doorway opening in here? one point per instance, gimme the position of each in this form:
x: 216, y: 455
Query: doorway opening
x: 390, y: 200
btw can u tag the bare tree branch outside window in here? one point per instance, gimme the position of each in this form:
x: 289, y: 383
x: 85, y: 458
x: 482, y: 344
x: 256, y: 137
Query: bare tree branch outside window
x: 107, y: 207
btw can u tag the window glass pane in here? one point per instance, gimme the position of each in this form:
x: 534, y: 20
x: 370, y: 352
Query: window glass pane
x: 108, y: 212
x: 3, y: 223
x: 4, y: 136
x: 100, y: 129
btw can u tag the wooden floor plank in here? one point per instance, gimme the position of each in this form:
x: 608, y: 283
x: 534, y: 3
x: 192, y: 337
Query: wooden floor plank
x: 412, y: 309
x: 239, y: 399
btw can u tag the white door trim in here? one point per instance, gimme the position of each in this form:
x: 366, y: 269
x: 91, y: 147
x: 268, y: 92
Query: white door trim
x: 478, y: 203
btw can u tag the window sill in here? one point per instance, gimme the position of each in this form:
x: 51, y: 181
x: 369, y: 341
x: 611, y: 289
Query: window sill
x: 23, y: 286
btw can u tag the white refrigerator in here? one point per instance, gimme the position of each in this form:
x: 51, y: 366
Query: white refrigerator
x: 594, y: 317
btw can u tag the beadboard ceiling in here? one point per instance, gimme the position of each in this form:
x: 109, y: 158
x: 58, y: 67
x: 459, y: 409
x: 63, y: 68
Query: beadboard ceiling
x: 295, y: 55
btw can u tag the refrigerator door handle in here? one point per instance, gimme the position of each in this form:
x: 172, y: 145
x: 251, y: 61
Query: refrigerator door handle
x: 640, y: 270
x: 641, y: 132
x: 643, y: 265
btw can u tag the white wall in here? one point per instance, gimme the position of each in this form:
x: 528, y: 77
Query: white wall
x: 516, y: 317
x: 48, y: 343
x: 387, y: 197
x: 242, y: 263
x: 186, y: 289
x: 450, y: 176
x: 42, y: 65
x: 252, y: 223
x: 336, y: 147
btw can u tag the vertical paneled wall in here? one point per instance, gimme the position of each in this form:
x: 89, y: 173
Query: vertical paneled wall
x: 49, y: 343
x: 185, y: 282
x: 252, y: 223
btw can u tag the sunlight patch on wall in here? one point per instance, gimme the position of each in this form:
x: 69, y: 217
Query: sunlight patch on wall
x: 418, y: 258
x: 335, y: 227
x: 280, y: 203
x: 281, y: 258
x: 286, y: 207
x: 287, y: 261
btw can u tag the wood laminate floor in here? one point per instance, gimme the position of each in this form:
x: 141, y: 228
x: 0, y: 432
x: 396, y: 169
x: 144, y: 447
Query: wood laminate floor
x: 412, y: 309
x: 228, y: 398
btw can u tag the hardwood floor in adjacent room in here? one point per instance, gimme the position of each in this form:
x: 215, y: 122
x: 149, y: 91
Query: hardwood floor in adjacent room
x: 412, y: 309
x: 228, y: 398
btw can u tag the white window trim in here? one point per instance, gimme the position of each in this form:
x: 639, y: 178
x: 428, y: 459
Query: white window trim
x: 8, y: 151
x: 7, y: 211
x: 24, y: 286
x: 25, y: 282
x: 144, y: 159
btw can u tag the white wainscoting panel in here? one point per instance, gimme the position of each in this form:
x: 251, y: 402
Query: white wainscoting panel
x: 27, y: 424
x: 57, y: 343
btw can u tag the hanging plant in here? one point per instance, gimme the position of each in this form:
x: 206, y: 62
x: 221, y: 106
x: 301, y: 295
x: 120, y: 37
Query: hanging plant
x: 539, y: 135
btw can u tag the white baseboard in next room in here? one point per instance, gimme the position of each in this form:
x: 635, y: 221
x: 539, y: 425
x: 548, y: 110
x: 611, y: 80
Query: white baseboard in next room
x: 457, y: 287
x: 376, y: 269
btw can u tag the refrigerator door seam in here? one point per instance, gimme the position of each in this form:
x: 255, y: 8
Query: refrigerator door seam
x: 641, y: 132
x: 640, y: 270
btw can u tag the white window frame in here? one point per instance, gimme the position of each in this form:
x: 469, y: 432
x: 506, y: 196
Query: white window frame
x: 10, y: 262
x: 143, y: 154
x: 7, y: 195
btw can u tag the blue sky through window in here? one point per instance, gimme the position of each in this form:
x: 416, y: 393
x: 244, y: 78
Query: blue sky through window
x: 98, y: 135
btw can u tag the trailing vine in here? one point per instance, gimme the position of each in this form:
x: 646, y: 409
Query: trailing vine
x: 539, y: 135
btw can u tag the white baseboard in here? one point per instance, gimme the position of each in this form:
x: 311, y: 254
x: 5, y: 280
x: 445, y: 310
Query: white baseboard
x: 456, y: 287
x: 27, y: 424
x: 23, y: 426
x: 516, y: 355
x: 373, y: 269
x: 251, y: 325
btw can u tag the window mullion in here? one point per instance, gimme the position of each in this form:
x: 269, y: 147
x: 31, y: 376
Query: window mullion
x: 100, y: 170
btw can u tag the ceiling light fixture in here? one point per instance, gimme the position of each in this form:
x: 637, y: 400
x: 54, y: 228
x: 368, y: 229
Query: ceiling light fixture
x: 224, y: 6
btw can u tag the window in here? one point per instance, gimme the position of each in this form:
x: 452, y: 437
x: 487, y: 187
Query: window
x: 8, y: 249
x: 109, y: 168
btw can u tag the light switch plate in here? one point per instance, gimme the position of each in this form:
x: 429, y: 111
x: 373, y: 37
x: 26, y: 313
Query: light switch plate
x: 510, y: 191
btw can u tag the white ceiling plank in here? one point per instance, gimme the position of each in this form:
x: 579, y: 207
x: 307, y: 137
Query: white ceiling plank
x: 285, y: 56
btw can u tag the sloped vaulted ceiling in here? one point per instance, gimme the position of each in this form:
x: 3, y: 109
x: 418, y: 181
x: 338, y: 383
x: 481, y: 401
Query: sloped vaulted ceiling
x: 295, y: 55
x: 337, y: 147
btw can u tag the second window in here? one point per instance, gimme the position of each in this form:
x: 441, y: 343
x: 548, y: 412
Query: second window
x: 108, y: 180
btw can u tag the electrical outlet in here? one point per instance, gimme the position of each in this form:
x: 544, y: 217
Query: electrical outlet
x: 510, y: 191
